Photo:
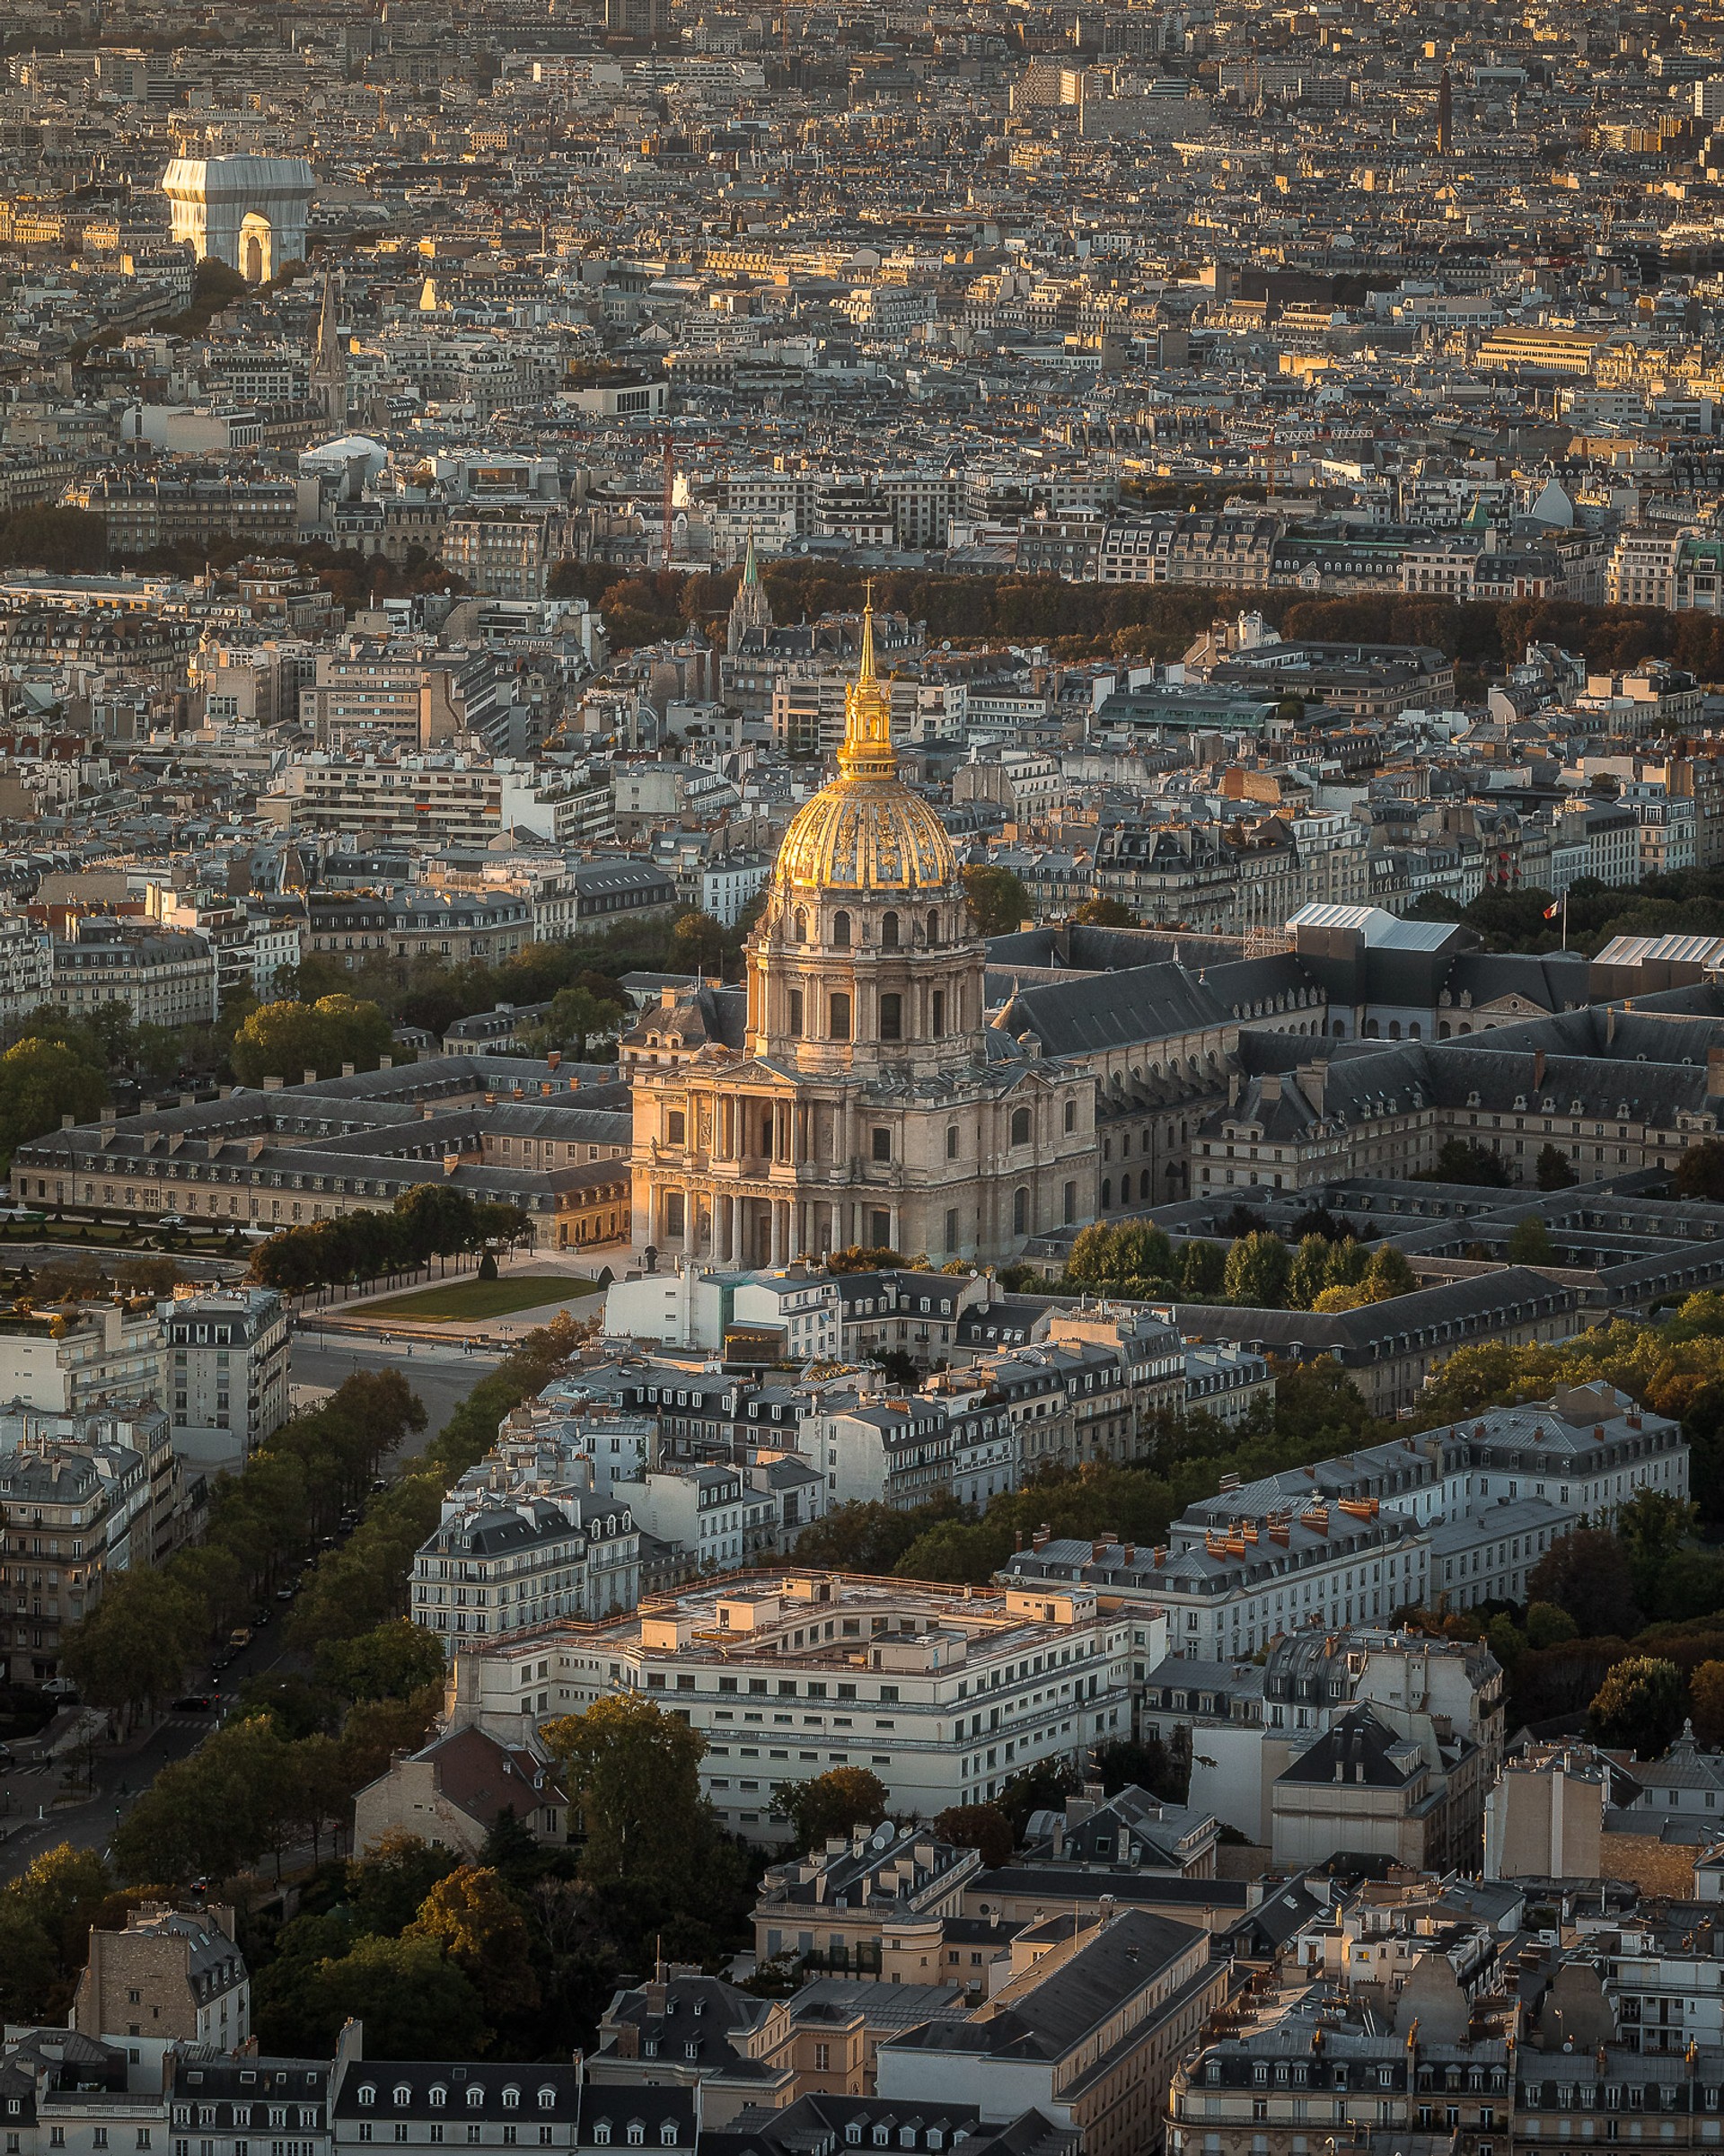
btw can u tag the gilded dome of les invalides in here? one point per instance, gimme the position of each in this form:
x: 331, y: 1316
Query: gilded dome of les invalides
x: 866, y: 831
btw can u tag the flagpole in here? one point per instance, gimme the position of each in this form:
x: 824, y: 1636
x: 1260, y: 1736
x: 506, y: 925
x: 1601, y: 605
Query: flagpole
x: 1565, y: 920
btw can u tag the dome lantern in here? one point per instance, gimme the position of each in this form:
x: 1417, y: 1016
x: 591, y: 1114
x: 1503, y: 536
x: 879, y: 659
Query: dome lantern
x: 866, y: 831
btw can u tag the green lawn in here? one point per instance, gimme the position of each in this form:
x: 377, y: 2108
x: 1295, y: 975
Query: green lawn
x: 472, y: 1297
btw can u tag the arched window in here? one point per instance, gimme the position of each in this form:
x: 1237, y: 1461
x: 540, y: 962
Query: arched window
x: 888, y: 932
x: 1071, y: 1115
x: 439, y: 2097
x: 933, y: 928
x: 1143, y: 1185
x: 367, y: 2092
x: 546, y: 2099
x: 475, y: 2090
x: 802, y: 926
x: 1107, y: 1192
x: 1020, y: 1126
x: 840, y: 1028
x: 403, y: 2094
x: 891, y: 1013
x: 841, y: 930
x: 1020, y: 1211
x: 936, y: 1014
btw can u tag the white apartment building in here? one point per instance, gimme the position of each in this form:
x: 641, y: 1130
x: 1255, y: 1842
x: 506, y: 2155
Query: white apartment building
x: 1668, y: 829
x: 228, y: 1355
x: 1236, y: 1588
x: 730, y: 882
x: 501, y: 1560
x: 272, y: 946
x: 714, y: 1519
x: 942, y: 1692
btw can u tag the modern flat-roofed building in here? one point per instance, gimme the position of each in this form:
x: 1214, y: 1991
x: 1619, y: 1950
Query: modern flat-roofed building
x: 942, y: 1692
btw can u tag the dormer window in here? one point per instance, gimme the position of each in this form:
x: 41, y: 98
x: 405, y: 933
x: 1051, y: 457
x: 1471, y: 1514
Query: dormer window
x: 636, y: 2133
x: 547, y: 2098
x: 367, y: 2093
x: 402, y: 2094
x: 439, y: 2097
x: 667, y: 2134
x: 511, y: 2098
x: 602, y: 2133
x: 475, y: 2096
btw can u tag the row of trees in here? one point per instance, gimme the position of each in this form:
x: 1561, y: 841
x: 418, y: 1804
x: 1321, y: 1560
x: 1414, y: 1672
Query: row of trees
x: 134, y: 1646
x: 1154, y: 620
x: 285, y: 1772
x: 1327, y: 1268
x: 364, y: 1582
x: 254, y: 1788
x: 432, y: 1220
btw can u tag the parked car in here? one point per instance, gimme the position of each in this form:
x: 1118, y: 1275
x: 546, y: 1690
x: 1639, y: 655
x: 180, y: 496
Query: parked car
x: 240, y: 1636
x: 195, y: 1703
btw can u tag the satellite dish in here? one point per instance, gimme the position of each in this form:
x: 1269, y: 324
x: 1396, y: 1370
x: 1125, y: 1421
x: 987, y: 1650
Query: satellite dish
x: 884, y: 1834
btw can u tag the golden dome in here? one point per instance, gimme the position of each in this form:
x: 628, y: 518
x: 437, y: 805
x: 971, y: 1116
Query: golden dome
x: 867, y: 832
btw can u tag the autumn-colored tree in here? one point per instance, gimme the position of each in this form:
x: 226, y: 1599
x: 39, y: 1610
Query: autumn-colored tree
x: 476, y: 1920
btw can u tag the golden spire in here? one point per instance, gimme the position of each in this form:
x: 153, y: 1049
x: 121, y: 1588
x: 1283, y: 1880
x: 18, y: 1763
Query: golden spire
x: 866, y: 752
